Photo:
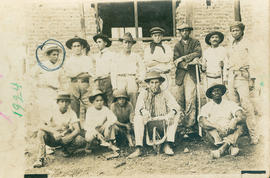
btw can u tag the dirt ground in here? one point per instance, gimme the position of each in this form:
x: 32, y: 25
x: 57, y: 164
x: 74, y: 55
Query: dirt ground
x: 196, y: 161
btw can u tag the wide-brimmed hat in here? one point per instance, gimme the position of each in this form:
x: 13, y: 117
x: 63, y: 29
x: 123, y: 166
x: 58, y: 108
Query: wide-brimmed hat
x: 153, y: 75
x: 120, y: 94
x: 184, y: 26
x: 213, y: 86
x: 208, y: 36
x: 104, y: 38
x: 237, y: 24
x: 83, y: 42
x: 128, y: 37
x: 51, y: 47
x: 156, y: 30
x: 94, y: 94
x: 63, y: 95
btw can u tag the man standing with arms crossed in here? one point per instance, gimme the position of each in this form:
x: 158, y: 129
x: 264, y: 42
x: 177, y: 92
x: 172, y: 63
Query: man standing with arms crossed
x: 186, y: 53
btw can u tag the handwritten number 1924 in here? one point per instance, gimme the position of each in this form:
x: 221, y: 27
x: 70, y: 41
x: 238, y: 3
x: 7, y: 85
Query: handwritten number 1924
x: 18, y: 98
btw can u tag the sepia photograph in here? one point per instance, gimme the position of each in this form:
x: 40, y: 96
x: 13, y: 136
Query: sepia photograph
x: 134, y: 88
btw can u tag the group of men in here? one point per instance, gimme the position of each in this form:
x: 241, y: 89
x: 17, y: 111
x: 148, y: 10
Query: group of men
x: 107, y: 93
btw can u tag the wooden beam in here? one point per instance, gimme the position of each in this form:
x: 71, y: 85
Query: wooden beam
x: 174, y: 15
x: 237, y: 10
x: 189, y: 12
x: 136, y: 18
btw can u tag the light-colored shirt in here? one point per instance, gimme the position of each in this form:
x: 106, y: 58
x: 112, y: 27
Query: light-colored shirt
x: 160, y: 105
x: 212, y: 58
x: 158, y: 55
x: 127, y: 64
x: 62, y: 121
x: 220, y: 114
x: 96, y: 118
x: 239, y: 55
x: 78, y: 64
x: 103, y: 62
x: 48, y: 78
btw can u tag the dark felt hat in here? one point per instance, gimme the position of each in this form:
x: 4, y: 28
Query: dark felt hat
x: 208, y: 36
x: 213, y: 86
x: 104, y: 38
x: 83, y: 42
x: 153, y: 75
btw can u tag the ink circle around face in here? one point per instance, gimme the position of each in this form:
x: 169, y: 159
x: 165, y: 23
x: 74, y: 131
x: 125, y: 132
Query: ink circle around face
x: 50, y: 42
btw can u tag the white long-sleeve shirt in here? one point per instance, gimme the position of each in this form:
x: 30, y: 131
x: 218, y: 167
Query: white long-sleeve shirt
x: 127, y: 64
x: 163, y: 59
x: 103, y: 62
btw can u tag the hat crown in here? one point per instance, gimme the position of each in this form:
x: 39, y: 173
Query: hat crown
x: 238, y: 24
x: 127, y: 36
x: 63, y: 95
x: 156, y: 30
x: 153, y: 75
x: 96, y: 92
x: 120, y: 93
x: 184, y: 26
x: 50, y: 47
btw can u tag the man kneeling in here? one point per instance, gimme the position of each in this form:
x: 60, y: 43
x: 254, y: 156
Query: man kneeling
x: 62, y: 129
x: 222, y: 120
x: 151, y: 103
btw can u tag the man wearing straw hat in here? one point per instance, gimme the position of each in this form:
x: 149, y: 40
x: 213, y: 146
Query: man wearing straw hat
x: 222, y: 120
x: 77, y: 70
x: 61, y: 129
x: 186, y: 53
x: 103, y: 61
x: 48, y: 81
x: 215, y: 59
x: 241, y: 72
x: 154, y: 102
x: 128, y: 69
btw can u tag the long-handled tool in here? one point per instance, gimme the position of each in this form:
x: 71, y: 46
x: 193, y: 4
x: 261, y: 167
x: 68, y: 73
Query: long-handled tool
x: 198, y: 94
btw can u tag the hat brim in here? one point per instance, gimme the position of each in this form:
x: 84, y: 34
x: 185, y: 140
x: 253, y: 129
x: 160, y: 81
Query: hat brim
x: 189, y: 28
x: 92, y: 97
x: 104, y: 38
x: 208, y: 36
x: 132, y: 41
x: 52, y: 49
x: 161, y: 79
x: 220, y: 86
x: 121, y: 96
x: 83, y: 42
x: 63, y: 98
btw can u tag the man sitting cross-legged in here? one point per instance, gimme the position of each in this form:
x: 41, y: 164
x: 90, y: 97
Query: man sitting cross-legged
x: 222, y: 120
x: 62, y: 129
